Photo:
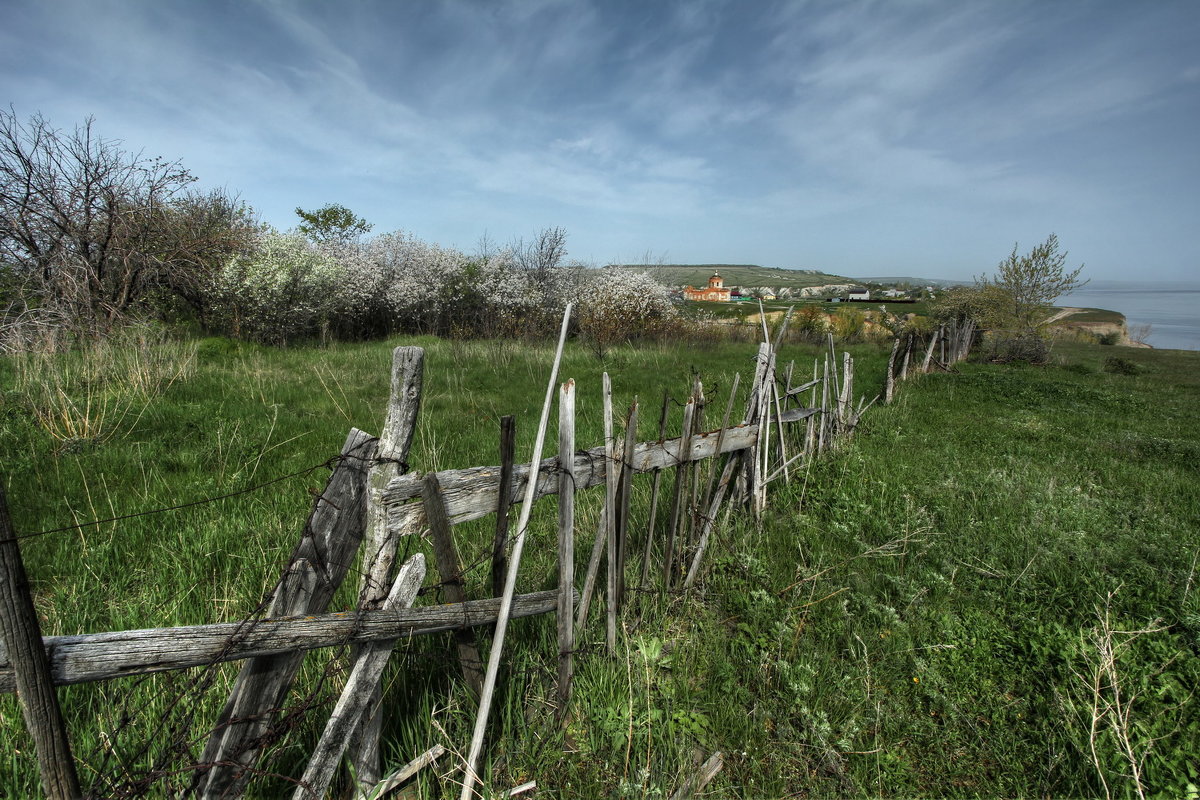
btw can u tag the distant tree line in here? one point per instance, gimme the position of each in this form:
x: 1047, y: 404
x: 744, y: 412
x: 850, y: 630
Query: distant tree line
x: 94, y: 237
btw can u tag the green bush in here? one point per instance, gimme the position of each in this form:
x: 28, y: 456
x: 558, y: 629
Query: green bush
x: 1120, y: 366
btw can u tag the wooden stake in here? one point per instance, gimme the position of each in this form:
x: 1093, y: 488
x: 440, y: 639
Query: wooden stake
x: 397, y: 778
x: 889, y: 386
x: 593, y: 572
x: 379, y: 549
x: 611, y: 478
x: 685, y: 447
x: 566, y: 546
x: 22, y: 637
x: 929, y: 351
x: 449, y: 567
x: 508, y: 442
x: 624, y: 496
x: 510, y: 582
x: 654, y: 487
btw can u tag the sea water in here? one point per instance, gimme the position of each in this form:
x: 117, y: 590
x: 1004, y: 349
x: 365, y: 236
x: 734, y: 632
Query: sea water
x: 1171, y: 311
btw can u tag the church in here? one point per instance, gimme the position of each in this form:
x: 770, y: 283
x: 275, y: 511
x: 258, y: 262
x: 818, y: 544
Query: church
x: 715, y: 291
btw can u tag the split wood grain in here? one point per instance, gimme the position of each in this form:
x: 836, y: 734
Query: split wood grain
x: 21, y: 633
x: 359, y: 691
x: 119, y: 654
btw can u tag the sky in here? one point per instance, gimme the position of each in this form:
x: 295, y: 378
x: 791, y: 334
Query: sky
x: 907, y: 137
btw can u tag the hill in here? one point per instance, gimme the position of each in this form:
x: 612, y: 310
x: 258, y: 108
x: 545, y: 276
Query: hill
x: 736, y: 275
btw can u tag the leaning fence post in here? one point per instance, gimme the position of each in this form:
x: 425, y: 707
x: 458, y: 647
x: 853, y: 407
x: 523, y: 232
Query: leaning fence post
x: 22, y: 636
x: 929, y: 351
x: 357, y: 696
x: 315, y: 570
x: 445, y: 556
x: 889, y: 387
x: 654, y: 487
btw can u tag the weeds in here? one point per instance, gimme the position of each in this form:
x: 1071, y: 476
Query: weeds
x: 100, y: 388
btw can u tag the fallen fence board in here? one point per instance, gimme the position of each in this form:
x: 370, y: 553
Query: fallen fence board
x: 118, y: 654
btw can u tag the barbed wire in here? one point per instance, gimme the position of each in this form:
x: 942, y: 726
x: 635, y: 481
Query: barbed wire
x: 329, y: 463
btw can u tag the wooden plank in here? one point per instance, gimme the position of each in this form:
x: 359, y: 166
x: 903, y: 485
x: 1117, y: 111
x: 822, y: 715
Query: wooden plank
x: 508, y: 444
x: 566, y: 547
x: 696, y: 782
x: 21, y: 634
x: 449, y: 567
x: 510, y: 582
x: 474, y: 492
x: 397, y: 779
x: 316, y: 569
x: 84, y: 658
x: 359, y: 691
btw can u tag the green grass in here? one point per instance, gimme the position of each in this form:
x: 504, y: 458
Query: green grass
x: 1095, y: 315
x: 912, y: 619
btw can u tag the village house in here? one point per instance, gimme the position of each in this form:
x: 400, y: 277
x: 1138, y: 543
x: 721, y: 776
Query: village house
x: 859, y: 293
x: 714, y: 292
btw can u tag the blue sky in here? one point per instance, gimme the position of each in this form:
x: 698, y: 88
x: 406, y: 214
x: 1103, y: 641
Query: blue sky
x: 907, y: 137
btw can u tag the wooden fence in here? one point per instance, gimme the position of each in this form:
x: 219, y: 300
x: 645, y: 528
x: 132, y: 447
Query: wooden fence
x: 371, y: 503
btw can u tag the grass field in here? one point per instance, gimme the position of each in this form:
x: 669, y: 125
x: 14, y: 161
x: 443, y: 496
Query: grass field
x: 946, y: 606
x: 737, y: 275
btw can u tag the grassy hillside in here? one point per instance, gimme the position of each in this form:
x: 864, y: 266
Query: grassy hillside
x: 736, y: 275
x: 926, y: 612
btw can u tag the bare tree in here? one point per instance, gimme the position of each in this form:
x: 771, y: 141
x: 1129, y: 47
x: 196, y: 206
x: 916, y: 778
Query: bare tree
x: 92, y: 230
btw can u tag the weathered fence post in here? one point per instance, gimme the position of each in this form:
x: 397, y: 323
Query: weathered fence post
x: 445, y: 556
x: 889, y: 386
x: 359, y: 692
x: 379, y: 547
x: 508, y: 443
x: 929, y: 351
x: 654, y: 487
x: 624, y: 496
x: 566, y: 546
x: 22, y: 638
x: 681, y: 461
x: 611, y: 477
x: 315, y: 570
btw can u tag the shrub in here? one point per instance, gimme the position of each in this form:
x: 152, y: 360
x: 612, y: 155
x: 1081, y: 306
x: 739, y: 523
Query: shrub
x: 1110, y: 338
x: 617, y: 305
x: 284, y: 289
x: 1120, y: 366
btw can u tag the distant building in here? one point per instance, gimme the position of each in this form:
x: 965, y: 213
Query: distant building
x: 859, y: 293
x: 894, y: 293
x: 714, y: 292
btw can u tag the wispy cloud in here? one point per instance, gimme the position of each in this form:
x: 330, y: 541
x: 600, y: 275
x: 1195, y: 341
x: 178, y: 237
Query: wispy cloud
x: 710, y: 125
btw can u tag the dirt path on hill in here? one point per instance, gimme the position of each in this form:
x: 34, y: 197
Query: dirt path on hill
x: 1062, y: 314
